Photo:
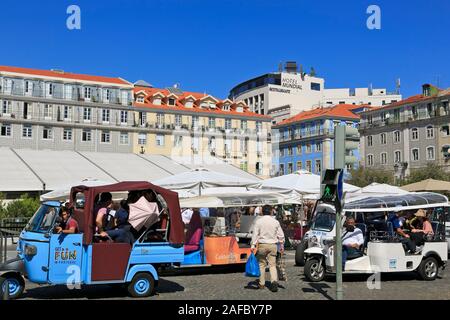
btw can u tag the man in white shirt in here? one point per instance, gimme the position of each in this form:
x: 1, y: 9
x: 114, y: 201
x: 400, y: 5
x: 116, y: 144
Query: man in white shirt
x: 352, y: 240
x: 267, y: 234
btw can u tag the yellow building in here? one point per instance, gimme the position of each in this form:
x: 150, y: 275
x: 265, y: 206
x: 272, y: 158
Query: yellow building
x: 194, y: 126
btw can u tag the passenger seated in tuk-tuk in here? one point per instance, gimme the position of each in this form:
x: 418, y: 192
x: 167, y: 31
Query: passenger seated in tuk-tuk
x: 121, y: 229
x: 105, y: 217
x: 419, y: 235
x: 68, y: 225
x: 352, y: 240
x: 395, y: 218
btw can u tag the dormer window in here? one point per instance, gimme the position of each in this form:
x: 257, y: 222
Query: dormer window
x: 171, y: 102
x: 140, y: 99
x: 226, y: 107
x: 239, y: 109
x: 212, y: 105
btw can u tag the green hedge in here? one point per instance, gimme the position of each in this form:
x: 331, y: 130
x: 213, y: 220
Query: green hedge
x: 26, y: 206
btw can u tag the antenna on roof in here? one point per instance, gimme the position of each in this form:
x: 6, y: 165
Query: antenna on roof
x: 397, y: 86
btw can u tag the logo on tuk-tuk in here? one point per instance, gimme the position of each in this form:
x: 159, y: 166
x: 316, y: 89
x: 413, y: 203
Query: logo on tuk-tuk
x: 64, y: 255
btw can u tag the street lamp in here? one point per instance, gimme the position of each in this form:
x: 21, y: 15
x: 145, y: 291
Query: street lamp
x: 142, y: 150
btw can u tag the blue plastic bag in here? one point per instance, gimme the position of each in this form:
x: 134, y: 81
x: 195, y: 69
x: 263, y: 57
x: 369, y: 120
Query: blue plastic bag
x: 252, y: 267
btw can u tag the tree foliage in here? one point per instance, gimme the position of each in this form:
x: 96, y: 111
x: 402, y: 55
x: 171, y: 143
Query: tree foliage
x: 362, y: 177
x: 26, y: 206
x: 431, y: 171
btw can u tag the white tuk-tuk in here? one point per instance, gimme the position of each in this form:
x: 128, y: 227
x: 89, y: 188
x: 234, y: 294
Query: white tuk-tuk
x: 382, y: 250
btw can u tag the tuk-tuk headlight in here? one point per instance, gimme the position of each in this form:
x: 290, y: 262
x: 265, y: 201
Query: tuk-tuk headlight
x: 313, y: 241
x: 30, y: 250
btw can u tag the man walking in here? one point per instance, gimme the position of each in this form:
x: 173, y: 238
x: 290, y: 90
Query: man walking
x: 267, y: 235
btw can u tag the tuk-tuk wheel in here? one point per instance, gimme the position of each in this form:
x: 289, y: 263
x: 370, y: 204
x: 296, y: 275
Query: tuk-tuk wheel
x: 299, y: 253
x: 428, y: 269
x: 314, y: 270
x: 142, y: 285
x: 16, y: 285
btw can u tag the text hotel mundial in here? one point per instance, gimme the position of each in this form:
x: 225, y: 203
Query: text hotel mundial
x: 224, y: 310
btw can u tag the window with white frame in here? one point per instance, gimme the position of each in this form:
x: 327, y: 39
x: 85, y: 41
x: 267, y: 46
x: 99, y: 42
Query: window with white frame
x: 309, y: 165
x: 212, y: 144
x: 415, y: 154
x: 396, y: 136
x: 27, y: 86
x: 195, y: 144
x: 318, y: 146
x: 414, y: 134
x: 318, y: 166
x: 50, y: 89
x: 227, y: 124
x: 212, y: 122
x: 281, y: 170
x: 195, y: 121
x: 48, y: 111
x: 383, y: 158
x: 430, y: 132
x: 370, y: 160
x: 243, y: 124
x: 86, y: 135
x: 299, y: 149
x: 299, y: 165
x: 87, y: 92
x: 308, y: 148
x: 67, y: 134
x: 6, y: 107
x: 160, y: 119
x: 105, y: 137
x: 47, y: 133
x: 178, y: 141
x: 105, y: 115
x: 397, y: 156
x: 5, y: 130
x: 67, y: 113
x: 160, y: 140
x: 369, y: 141
x: 289, y: 151
x: 369, y: 119
x: 258, y: 126
x: 107, y: 94
x: 383, y: 138
x: 430, y: 153
x: 123, y: 116
x: 140, y: 99
x: 86, y: 114
x: 227, y: 146
x: 178, y: 120
x: 142, y: 138
x: 27, y: 131
x: 124, y: 138
x: 171, y: 102
x: 290, y: 168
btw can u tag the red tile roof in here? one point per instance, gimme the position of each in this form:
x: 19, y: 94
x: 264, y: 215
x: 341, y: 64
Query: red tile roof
x: 196, y: 106
x: 65, y: 75
x: 336, y: 111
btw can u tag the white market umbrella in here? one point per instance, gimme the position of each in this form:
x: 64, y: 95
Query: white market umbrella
x: 62, y: 194
x: 202, y: 178
x: 302, y: 181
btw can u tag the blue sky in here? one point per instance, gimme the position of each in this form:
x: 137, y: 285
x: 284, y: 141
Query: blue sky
x: 211, y: 45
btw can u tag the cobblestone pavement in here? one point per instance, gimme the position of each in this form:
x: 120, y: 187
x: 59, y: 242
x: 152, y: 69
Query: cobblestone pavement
x: 230, y: 283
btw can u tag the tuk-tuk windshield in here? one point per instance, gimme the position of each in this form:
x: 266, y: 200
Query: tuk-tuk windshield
x: 43, y: 219
x: 324, y: 221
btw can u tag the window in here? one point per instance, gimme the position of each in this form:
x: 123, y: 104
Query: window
x: 160, y: 140
x: 105, y: 115
x: 244, y: 145
x: 384, y: 158
x: 27, y: 86
x: 107, y: 94
x: 48, y: 110
x: 290, y: 168
x: 414, y: 112
x: 244, y: 165
x: 318, y: 146
x: 178, y: 141
x: 299, y: 149
x: 415, y: 134
x: 370, y: 160
x: 415, y: 154
x: 86, y: 135
x: 397, y: 157
x: 308, y: 148
x: 227, y: 124
x: 171, y: 102
x: 258, y: 126
x: 315, y: 86
x: 195, y: 122
x: 369, y: 141
x: 383, y: 116
x: 318, y: 166
x: 123, y: 117
x: 299, y: 165
x: 87, y: 114
x: 430, y: 132
x: 140, y: 99
x: 50, y: 89
x: 160, y: 119
x: 383, y: 138
x: 243, y: 124
x: 430, y: 153
x: 105, y: 137
x: 47, y: 133
x: 289, y: 151
x: 445, y: 130
x: 5, y: 130
x: 178, y: 120
x: 67, y: 134
x: 142, y: 138
x: 27, y: 131
x: 6, y: 107
x: 396, y: 136
x: 87, y: 93
x: 67, y: 113
x: 212, y: 122
x: 259, y: 168
x: 308, y: 165
x: 124, y: 138
x: 281, y: 171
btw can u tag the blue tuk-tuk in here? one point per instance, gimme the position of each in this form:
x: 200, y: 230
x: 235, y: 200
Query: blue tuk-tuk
x: 45, y: 257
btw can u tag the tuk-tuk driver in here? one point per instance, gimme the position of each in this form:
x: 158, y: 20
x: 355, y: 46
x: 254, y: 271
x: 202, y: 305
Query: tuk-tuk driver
x: 352, y: 240
x: 69, y: 225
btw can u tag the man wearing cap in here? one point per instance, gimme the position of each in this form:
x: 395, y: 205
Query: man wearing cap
x: 396, y: 219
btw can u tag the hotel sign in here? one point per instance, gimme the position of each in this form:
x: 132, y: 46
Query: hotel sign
x: 291, y: 82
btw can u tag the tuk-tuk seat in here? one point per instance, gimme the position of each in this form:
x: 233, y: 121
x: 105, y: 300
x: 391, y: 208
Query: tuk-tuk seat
x: 193, y: 234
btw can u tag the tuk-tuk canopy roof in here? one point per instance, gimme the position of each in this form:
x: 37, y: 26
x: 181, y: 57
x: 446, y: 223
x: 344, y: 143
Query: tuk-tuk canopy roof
x: 86, y: 218
x: 409, y: 201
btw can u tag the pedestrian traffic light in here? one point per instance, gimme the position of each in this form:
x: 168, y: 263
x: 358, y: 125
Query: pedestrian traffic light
x: 331, y: 188
x: 346, y: 139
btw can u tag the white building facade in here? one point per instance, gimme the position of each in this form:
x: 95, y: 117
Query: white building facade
x: 288, y: 92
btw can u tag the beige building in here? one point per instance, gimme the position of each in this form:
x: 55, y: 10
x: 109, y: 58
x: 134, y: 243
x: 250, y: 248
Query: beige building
x: 193, y: 126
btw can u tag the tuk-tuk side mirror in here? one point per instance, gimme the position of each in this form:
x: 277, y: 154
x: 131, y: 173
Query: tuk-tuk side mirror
x: 47, y: 235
